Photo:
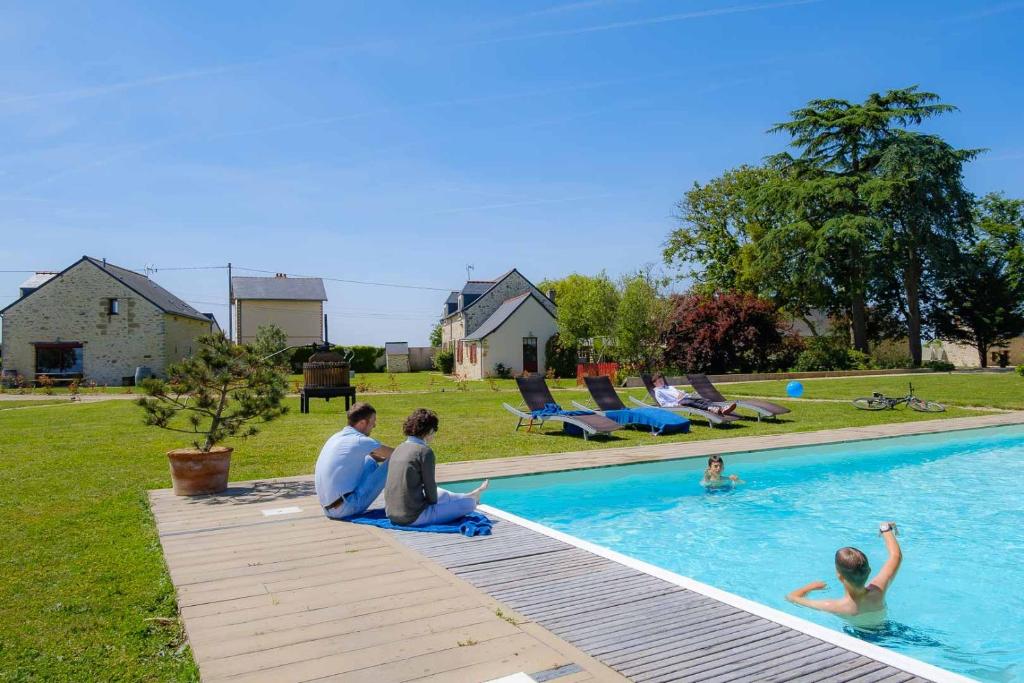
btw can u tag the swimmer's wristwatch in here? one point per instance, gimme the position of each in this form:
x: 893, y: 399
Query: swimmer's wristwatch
x: 886, y: 526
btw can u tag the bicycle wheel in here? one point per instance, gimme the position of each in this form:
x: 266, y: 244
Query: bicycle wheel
x: 923, y: 406
x: 872, y: 403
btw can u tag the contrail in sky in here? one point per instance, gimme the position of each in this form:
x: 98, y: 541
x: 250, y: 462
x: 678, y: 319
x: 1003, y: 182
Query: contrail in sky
x: 664, y: 19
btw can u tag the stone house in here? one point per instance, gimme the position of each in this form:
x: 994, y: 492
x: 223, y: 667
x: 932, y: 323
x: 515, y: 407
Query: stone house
x: 505, y: 321
x: 97, y: 321
x: 295, y: 304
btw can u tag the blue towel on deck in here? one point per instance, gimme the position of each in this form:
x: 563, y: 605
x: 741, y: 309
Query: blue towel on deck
x: 473, y: 524
x: 661, y: 421
x: 551, y: 409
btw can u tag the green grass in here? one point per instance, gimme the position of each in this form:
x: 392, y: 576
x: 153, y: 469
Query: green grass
x: 8, y: 404
x: 392, y: 383
x: 84, y: 593
x: 996, y: 390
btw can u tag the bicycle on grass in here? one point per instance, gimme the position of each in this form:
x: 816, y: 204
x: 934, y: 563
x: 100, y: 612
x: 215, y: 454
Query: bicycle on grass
x: 879, y: 401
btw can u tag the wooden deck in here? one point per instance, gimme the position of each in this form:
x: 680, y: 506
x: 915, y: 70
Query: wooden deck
x: 270, y: 590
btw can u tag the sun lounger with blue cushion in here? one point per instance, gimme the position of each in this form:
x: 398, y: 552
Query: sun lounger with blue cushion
x: 540, y: 406
x: 609, y: 404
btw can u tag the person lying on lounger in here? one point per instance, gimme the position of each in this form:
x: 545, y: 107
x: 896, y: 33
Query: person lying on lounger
x: 411, y: 496
x: 863, y: 599
x: 670, y: 397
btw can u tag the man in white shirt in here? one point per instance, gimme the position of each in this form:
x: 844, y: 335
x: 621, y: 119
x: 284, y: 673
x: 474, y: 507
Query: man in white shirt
x: 352, y: 468
x: 670, y: 397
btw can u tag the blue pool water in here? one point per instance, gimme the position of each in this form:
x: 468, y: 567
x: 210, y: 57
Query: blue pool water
x: 958, y: 601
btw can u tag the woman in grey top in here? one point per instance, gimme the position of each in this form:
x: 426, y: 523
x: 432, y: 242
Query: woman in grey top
x: 411, y: 496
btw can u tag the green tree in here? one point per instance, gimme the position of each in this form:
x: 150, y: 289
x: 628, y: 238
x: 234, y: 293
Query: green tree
x: 435, y: 336
x: 271, y: 342
x: 222, y: 390
x: 738, y: 233
x: 984, y: 292
x: 925, y: 211
x: 586, y: 309
x: 640, y: 321
x: 840, y: 143
x: 720, y: 223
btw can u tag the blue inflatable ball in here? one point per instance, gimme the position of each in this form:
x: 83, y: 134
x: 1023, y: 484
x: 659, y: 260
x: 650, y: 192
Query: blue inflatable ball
x: 794, y: 389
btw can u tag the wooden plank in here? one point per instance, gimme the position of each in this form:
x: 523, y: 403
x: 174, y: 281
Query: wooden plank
x: 834, y: 658
x: 373, y: 646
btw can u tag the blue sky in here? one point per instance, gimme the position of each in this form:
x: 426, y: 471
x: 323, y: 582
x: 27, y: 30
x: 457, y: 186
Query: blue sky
x: 398, y: 142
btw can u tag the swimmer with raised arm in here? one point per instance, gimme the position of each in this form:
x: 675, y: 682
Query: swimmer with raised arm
x: 863, y: 598
x: 713, y: 478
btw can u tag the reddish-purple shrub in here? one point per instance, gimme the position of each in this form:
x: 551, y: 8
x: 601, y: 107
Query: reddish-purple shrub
x: 731, y: 332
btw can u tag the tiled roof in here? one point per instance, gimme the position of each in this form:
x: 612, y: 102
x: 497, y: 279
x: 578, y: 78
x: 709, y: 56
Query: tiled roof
x: 279, y: 288
x: 149, y: 290
x: 500, y: 315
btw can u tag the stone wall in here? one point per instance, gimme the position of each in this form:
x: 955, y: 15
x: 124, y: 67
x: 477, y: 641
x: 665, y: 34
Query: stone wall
x: 73, y: 307
x: 180, y: 334
x: 397, y: 362
x: 514, y: 284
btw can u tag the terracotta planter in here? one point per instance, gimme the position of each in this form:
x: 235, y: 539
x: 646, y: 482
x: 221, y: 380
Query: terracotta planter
x: 195, y: 473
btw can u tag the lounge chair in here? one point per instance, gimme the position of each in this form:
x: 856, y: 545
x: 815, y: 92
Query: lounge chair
x: 538, y: 400
x: 707, y: 391
x: 610, y: 405
x: 712, y: 418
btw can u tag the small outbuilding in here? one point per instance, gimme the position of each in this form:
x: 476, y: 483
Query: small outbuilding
x: 396, y: 355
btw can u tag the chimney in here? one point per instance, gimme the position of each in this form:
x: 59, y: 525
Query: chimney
x: 280, y: 275
x: 104, y: 262
x: 551, y: 295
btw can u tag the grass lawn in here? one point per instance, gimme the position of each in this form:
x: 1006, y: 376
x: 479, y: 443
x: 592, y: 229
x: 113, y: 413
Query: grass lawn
x: 996, y: 390
x: 84, y: 594
x: 7, y: 404
x: 393, y: 383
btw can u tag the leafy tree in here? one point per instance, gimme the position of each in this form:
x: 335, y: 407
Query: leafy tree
x: 639, y: 322
x: 840, y: 144
x: 719, y: 224
x: 271, y: 342
x: 586, y: 309
x: 984, y: 294
x: 435, y: 336
x: 222, y: 390
x: 925, y: 212
x: 725, y: 333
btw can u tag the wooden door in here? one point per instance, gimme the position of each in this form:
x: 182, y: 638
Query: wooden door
x: 529, y: 354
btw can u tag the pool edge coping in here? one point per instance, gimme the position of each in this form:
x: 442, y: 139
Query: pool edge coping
x: 1010, y: 419
x: 902, y: 662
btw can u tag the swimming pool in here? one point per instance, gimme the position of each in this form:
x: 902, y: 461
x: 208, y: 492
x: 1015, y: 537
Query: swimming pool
x: 958, y: 601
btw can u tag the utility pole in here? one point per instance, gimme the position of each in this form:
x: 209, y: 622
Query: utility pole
x: 231, y: 317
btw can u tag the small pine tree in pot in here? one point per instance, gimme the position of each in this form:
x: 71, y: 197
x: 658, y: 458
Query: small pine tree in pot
x: 218, y: 393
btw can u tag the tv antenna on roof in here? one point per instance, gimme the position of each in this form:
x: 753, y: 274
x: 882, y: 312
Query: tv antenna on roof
x: 469, y: 272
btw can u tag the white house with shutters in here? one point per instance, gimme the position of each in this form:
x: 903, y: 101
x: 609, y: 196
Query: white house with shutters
x: 506, y: 321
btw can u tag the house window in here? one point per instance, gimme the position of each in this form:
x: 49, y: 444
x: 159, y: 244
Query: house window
x: 472, y: 353
x: 59, y: 359
x: 458, y: 351
x: 113, y: 306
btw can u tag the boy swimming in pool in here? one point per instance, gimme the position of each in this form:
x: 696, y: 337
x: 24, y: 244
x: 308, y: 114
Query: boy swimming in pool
x: 713, y: 478
x: 864, y: 599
